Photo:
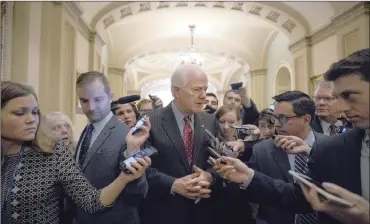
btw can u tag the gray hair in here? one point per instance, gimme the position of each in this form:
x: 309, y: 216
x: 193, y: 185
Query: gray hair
x: 180, y: 76
x: 324, y: 84
x: 50, y: 116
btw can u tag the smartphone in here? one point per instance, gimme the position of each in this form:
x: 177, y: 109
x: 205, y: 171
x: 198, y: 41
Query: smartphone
x: 135, y: 129
x: 153, y: 98
x: 216, y: 155
x: 239, y: 127
x: 210, y: 135
x: 331, y: 197
x: 150, y: 151
x: 236, y: 86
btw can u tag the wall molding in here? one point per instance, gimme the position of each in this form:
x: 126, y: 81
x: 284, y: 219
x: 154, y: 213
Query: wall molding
x: 331, y: 28
x: 75, y: 11
x: 116, y: 71
x: 257, y: 72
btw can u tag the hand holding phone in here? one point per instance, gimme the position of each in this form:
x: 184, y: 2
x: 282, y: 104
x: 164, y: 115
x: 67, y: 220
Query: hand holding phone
x: 136, y: 129
x: 150, y: 151
x: 307, y: 181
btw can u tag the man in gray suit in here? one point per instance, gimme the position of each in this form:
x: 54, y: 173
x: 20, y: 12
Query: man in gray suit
x: 178, y: 134
x: 101, y: 147
x: 294, y: 111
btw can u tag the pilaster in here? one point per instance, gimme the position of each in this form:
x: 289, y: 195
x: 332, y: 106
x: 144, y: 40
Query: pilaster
x: 116, y: 81
x: 258, y: 87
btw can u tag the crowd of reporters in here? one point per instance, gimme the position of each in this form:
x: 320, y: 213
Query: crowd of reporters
x: 325, y: 137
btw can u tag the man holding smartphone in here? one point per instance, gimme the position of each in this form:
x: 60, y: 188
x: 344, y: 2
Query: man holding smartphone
x: 341, y: 159
x: 240, y: 99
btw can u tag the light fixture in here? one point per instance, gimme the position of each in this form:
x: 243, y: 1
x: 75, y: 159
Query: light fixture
x: 192, y: 57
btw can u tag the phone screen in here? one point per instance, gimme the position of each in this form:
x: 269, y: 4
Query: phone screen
x: 135, y: 128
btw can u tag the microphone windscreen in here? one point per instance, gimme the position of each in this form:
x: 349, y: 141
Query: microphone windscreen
x: 128, y: 99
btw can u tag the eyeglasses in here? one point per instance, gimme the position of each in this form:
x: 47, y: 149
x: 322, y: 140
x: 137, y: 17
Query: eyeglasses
x: 283, y: 119
x: 325, y: 99
x: 144, y: 111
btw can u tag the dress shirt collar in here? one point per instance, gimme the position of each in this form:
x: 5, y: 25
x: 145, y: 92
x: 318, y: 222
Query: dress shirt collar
x: 99, y: 125
x: 326, y: 125
x: 180, y: 115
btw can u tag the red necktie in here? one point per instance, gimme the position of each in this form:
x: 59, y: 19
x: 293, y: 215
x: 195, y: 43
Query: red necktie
x: 188, y: 139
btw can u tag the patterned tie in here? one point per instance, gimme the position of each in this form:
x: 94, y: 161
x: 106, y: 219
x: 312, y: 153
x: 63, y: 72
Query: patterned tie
x: 333, y: 130
x: 188, y: 139
x: 301, y: 166
x: 86, y: 143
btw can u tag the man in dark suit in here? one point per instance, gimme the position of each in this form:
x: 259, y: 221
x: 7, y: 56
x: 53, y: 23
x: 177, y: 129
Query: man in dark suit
x: 341, y: 159
x: 292, y: 116
x: 99, y: 150
x: 326, y: 117
x: 177, y: 131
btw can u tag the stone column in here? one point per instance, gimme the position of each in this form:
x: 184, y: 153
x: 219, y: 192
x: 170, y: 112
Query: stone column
x: 116, y: 81
x: 258, y: 80
x: 302, y: 64
x: 26, y: 43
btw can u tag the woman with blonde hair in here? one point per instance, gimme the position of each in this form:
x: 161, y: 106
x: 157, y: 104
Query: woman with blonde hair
x: 60, y: 125
x: 34, y: 165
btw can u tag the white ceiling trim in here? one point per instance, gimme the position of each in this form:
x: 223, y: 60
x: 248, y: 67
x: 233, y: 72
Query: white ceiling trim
x: 281, y: 20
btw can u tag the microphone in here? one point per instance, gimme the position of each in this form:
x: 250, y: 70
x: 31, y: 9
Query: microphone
x: 128, y: 99
x: 124, y: 100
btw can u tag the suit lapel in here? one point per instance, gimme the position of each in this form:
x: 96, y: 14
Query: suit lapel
x: 316, y: 125
x: 350, y: 161
x: 99, y: 141
x: 172, y: 130
x: 198, y: 136
x: 282, y: 161
x: 79, y: 143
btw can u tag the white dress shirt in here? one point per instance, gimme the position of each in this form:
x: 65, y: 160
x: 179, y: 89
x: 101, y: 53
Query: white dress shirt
x: 98, y: 127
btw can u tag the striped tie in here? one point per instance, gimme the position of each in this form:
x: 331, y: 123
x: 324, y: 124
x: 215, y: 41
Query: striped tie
x: 301, y: 166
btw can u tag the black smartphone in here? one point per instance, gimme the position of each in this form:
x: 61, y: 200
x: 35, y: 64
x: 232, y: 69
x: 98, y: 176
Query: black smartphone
x: 216, y: 154
x: 236, y: 86
x: 150, y: 151
x: 305, y: 180
x: 153, y: 98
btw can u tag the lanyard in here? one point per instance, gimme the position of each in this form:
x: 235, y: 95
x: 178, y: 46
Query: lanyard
x: 10, y: 184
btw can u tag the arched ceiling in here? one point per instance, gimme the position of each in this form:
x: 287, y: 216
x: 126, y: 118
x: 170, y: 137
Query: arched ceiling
x: 149, y: 37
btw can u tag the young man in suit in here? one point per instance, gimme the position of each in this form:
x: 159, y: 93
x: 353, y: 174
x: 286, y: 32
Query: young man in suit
x: 326, y: 120
x: 341, y: 159
x: 292, y: 116
x: 177, y: 131
x: 101, y: 147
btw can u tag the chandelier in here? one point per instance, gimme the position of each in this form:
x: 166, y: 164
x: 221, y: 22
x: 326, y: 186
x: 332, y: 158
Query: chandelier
x: 192, y: 57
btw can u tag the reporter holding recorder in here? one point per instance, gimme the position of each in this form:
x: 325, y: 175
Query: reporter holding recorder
x: 341, y: 159
x: 33, y: 165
